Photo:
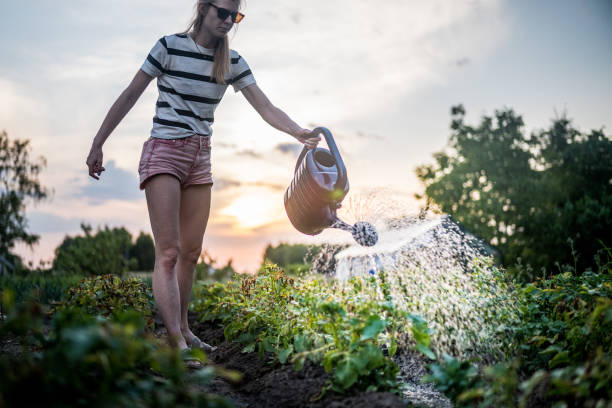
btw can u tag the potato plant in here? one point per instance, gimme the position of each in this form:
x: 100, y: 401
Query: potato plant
x: 105, y: 295
x: 352, y: 329
x: 87, y: 360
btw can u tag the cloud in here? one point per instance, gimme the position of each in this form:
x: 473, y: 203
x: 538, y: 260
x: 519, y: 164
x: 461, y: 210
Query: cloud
x: 115, y: 184
x: 250, y: 153
x: 224, y: 145
x: 462, y: 62
x: 270, y: 186
x: 292, y: 148
x: 364, y: 61
x: 226, y: 184
x: 22, y: 114
x: 369, y: 136
x: 45, y: 222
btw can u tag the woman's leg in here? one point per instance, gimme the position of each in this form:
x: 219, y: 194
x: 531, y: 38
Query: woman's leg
x: 195, y: 208
x: 163, y: 194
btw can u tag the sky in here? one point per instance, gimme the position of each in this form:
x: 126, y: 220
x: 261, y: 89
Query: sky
x: 382, y: 76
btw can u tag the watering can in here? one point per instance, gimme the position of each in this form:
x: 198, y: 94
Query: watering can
x: 318, y: 187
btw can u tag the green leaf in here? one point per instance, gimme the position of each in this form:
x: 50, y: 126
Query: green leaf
x: 298, y: 363
x: 347, y: 372
x: 249, y: 348
x: 374, y: 325
x: 300, y: 343
x: 559, y: 359
x: 328, y: 359
x: 393, y: 348
x: 419, y: 329
x: 426, y: 351
x: 283, y: 354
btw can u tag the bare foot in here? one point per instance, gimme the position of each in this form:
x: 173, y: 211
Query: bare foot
x: 193, y: 341
x: 188, y: 336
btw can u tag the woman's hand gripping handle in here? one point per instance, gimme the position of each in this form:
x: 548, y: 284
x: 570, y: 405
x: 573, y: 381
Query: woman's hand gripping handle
x: 308, y: 138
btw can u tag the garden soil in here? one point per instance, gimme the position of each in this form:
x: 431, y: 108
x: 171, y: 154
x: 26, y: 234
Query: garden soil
x: 268, y: 384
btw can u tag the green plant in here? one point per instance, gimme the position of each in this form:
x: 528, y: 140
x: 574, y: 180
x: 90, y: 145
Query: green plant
x: 143, y: 251
x: 19, y: 183
x: 453, y: 377
x: 469, y: 313
x: 344, y: 327
x: 105, y: 252
x: 526, y: 194
x: 564, y: 340
x: 106, y: 295
x: 565, y: 319
x: 286, y: 254
x: 42, y: 287
x: 207, y: 271
x: 86, y: 360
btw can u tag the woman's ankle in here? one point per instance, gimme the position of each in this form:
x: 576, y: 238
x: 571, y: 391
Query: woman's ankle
x: 177, y: 341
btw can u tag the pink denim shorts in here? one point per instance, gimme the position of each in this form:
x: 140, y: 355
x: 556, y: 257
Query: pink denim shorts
x: 187, y: 158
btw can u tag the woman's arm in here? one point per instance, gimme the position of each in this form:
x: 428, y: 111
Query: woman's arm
x: 276, y: 117
x: 115, y: 115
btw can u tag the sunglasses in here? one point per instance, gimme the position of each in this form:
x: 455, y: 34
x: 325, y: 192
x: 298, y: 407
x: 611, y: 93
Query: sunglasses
x: 224, y: 13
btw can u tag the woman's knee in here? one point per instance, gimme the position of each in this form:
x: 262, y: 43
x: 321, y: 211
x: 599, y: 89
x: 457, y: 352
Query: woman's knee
x: 167, y: 256
x: 190, y: 255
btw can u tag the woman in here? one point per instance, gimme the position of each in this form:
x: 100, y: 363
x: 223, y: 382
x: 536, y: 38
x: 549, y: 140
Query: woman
x: 193, y: 70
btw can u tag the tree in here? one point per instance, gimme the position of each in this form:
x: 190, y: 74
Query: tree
x: 206, y: 269
x: 105, y: 252
x: 541, y: 198
x: 143, y: 251
x: 286, y: 254
x: 19, y: 184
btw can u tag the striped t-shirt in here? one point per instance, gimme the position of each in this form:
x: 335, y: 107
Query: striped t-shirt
x: 188, y: 95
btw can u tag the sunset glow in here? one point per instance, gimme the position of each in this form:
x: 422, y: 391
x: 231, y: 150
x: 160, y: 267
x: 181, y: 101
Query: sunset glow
x: 254, y: 208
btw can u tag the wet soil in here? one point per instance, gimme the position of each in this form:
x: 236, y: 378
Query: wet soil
x: 268, y: 384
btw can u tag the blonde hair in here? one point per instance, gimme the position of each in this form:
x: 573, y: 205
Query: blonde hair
x: 221, y: 64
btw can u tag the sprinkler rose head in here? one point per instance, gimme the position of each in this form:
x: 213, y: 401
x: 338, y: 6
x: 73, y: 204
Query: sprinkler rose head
x: 365, y: 234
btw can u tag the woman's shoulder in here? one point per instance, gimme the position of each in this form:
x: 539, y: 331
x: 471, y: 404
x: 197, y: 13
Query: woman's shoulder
x: 176, y: 37
x: 171, y: 40
x: 235, y: 56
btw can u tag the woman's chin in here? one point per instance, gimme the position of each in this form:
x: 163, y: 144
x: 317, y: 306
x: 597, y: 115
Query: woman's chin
x: 220, y: 33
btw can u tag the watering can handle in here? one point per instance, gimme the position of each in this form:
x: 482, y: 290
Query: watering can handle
x: 342, y: 179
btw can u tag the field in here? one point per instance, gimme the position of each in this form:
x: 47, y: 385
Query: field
x: 392, y: 338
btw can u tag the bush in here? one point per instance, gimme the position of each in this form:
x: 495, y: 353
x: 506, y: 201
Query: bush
x: 285, y: 254
x: 42, y: 287
x: 143, y: 251
x: 105, y: 252
x: 566, y: 319
x: 108, y: 295
x: 564, y: 356
x: 206, y: 270
x: 345, y: 328
x: 87, y: 361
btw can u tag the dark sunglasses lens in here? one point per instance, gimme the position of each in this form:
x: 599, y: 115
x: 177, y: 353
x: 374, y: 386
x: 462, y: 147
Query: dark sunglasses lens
x: 223, y: 13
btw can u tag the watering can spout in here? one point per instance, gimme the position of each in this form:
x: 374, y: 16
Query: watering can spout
x: 363, y: 232
x: 319, y: 185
